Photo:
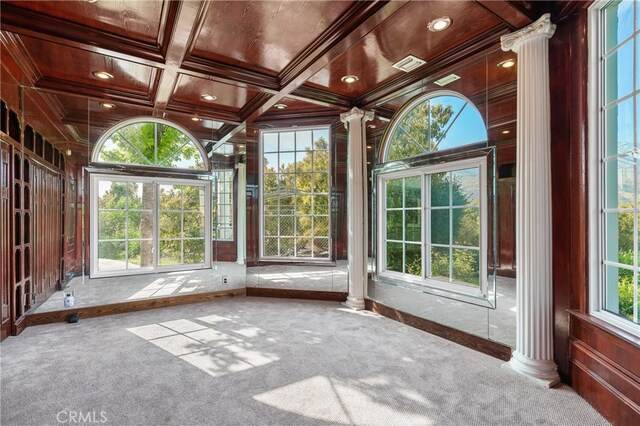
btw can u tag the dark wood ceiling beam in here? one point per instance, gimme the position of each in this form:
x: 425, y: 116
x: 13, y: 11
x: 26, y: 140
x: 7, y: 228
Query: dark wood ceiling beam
x: 319, y: 115
x: 474, y: 48
x: 188, y: 20
x: 33, y: 24
x: 229, y: 74
x: 322, y: 97
x: 507, y: 12
x: 208, y: 113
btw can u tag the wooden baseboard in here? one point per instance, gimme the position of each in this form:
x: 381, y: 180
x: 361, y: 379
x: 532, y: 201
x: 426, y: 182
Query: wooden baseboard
x: 495, y: 349
x: 332, y: 296
x: 124, y: 307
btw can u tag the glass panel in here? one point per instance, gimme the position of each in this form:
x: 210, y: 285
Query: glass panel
x: 287, y: 141
x: 618, y: 291
x: 466, y: 227
x: 140, y: 254
x: 619, y: 237
x: 320, y: 204
x: 619, y: 128
x: 170, y: 225
x: 170, y: 252
x: 619, y: 182
x: 193, y: 225
x: 394, y: 193
x: 394, y: 225
x: 111, y: 225
x: 321, y: 139
x: 304, y: 247
x: 321, y: 247
x: 271, y: 226
x: 304, y: 204
x: 270, y: 163
x: 304, y: 182
x: 270, y: 246
x: 618, y: 23
x: 394, y: 257
x: 304, y: 225
x: 303, y: 141
x: 440, y: 226
x: 466, y: 266
x: 287, y: 161
x: 111, y: 255
x: 439, y: 187
x: 193, y: 251
x: 192, y: 198
x: 440, y: 263
x: 465, y: 188
x: 618, y: 79
x: 112, y: 195
x: 320, y: 226
x: 170, y: 198
x: 287, y: 246
x: 412, y: 225
x: 286, y: 225
x: 141, y: 196
x: 412, y: 191
x: 270, y: 143
x: 413, y: 259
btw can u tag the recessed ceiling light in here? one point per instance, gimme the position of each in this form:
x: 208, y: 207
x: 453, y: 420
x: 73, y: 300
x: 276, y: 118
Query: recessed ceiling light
x: 107, y: 105
x: 103, y: 75
x: 196, y: 119
x: 439, y: 24
x: 505, y: 132
x: 92, y: 1
x: 369, y: 147
x: 372, y: 126
x: 349, y: 79
x: 507, y: 63
x: 208, y: 97
x: 280, y: 106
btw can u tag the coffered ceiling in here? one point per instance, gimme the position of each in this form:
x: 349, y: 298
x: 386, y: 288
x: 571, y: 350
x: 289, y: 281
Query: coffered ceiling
x: 164, y: 56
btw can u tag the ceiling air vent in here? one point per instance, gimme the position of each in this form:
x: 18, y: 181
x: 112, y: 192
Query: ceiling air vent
x: 446, y: 80
x: 409, y: 63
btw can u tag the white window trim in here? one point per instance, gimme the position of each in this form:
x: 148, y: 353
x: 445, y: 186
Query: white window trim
x: 294, y: 259
x: 595, y: 177
x: 482, y: 292
x: 94, y: 272
x: 232, y: 173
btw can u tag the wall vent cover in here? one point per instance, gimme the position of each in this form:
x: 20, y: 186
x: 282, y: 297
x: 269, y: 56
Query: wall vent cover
x: 446, y: 80
x: 409, y: 63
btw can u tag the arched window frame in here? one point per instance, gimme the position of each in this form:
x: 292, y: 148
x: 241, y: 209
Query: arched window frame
x: 145, y: 119
x: 406, y: 109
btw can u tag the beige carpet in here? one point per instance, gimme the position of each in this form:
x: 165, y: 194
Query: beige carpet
x: 264, y: 361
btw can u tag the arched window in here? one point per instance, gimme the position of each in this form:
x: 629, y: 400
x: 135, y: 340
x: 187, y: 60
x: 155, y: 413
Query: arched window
x: 151, y: 142
x: 433, y: 122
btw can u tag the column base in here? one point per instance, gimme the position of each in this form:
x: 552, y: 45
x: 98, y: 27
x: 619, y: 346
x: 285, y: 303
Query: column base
x: 354, y: 303
x: 544, y: 373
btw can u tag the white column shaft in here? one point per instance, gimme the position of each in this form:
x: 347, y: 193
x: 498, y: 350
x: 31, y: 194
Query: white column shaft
x: 534, y: 340
x: 241, y: 213
x: 356, y: 204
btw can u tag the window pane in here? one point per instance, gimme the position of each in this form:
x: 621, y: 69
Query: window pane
x: 170, y: 253
x: 270, y: 142
x: 412, y: 191
x: 466, y: 227
x: 321, y: 139
x: 111, y: 255
x: 440, y: 226
x: 140, y: 254
x: 170, y: 198
x: 271, y: 225
x: 286, y: 225
x: 304, y: 247
x: 304, y: 204
x: 394, y: 193
x: 320, y: 204
x: 270, y: 163
x: 304, y: 225
x: 304, y: 182
x: 412, y: 225
x: 440, y: 263
x: 111, y: 225
x: 270, y: 246
x: 619, y: 237
x: 394, y: 225
x: 270, y: 182
x: 321, y: 182
x: 193, y: 251
x: 170, y: 225
x: 619, y: 128
x: 303, y: 141
x: 618, y: 23
x: 439, y: 189
x: 286, y: 247
x: 618, y: 79
x: 112, y: 195
x: 466, y: 187
x: 287, y: 161
x: 320, y: 161
x: 193, y: 198
x: 287, y: 141
x: 618, y: 291
x: 321, y: 225
x: 413, y: 259
x: 394, y: 257
x: 193, y: 225
x: 321, y: 247
x: 466, y: 266
x: 619, y: 183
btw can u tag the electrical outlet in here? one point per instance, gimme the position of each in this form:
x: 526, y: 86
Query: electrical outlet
x: 225, y: 279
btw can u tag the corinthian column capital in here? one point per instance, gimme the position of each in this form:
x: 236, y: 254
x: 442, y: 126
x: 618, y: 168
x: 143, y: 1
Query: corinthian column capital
x: 356, y: 113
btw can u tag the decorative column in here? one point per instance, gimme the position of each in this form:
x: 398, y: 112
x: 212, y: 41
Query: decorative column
x: 355, y: 121
x: 241, y: 213
x: 533, y: 356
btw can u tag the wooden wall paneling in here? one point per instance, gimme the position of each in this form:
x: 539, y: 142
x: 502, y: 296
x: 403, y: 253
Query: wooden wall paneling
x: 6, y: 235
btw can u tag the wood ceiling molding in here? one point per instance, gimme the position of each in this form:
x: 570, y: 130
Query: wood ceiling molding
x: 27, y: 22
x: 21, y: 56
x: 212, y: 113
x: 323, y: 97
x: 508, y: 12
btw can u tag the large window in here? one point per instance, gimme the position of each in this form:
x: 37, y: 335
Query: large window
x: 142, y: 223
x: 433, y: 226
x: 615, y: 102
x: 295, y: 194
x: 222, y: 205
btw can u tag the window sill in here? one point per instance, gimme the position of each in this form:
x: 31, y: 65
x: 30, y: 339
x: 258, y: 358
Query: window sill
x: 607, y: 327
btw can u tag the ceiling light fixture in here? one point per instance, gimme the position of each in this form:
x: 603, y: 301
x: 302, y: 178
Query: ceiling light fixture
x: 369, y: 147
x: 349, y: 79
x: 505, y: 132
x: 372, y: 126
x: 107, y: 105
x: 208, y: 97
x: 196, y: 119
x: 102, y: 75
x: 280, y: 106
x: 507, y: 63
x: 439, y: 24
